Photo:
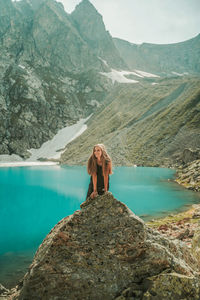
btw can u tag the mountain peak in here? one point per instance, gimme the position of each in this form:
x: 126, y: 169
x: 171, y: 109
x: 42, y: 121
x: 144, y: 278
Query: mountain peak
x: 87, y: 4
x: 86, y: 8
x: 89, y: 23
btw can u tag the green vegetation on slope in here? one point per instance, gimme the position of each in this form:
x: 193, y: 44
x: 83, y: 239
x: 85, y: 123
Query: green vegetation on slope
x: 143, y: 124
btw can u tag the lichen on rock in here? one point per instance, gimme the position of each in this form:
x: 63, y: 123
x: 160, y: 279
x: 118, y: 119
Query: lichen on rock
x: 104, y: 251
x: 188, y: 175
x: 196, y: 244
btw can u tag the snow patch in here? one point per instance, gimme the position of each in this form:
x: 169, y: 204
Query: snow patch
x: 51, y: 149
x: 180, y: 74
x: 55, y: 147
x: 22, y: 67
x: 26, y: 164
x: 104, y: 61
x: 131, y: 73
x: 145, y: 74
x: 16, y: 161
x: 94, y: 103
x: 118, y: 76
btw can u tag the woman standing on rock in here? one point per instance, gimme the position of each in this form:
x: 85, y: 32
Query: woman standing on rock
x: 99, y: 167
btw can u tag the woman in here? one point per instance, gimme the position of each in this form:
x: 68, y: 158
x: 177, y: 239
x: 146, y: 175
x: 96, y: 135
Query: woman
x: 99, y: 167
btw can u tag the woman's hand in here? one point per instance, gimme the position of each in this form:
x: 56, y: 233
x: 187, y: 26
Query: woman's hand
x: 94, y: 194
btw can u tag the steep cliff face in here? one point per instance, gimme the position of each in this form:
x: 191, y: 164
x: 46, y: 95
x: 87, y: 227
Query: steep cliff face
x: 57, y: 41
x: 104, y: 251
x: 179, y: 57
x: 49, y: 75
x: 52, y: 40
x: 90, y: 25
x: 189, y: 175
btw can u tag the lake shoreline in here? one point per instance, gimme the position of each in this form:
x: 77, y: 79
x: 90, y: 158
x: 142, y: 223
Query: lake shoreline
x: 181, y: 226
x: 186, y: 174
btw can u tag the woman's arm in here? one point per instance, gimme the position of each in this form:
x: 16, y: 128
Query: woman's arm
x: 106, y: 177
x: 106, y: 183
x: 94, y: 181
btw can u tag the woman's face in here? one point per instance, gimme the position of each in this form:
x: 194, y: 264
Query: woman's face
x: 97, y: 152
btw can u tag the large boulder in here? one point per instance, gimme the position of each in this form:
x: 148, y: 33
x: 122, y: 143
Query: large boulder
x: 104, y: 251
x: 190, y: 155
x: 3, y: 290
x: 196, y: 245
x: 188, y: 175
x: 172, y: 286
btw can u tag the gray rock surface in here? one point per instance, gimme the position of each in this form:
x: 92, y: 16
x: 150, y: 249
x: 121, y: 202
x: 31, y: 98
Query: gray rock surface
x: 104, y: 251
x: 190, y: 155
x: 189, y: 175
x: 49, y: 74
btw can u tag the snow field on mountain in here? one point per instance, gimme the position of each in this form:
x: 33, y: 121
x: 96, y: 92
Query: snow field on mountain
x: 119, y: 76
x: 51, y: 149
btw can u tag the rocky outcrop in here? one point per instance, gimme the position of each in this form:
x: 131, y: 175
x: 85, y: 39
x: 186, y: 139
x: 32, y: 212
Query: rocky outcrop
x: 189, y: 175
x: 190, y: 155
x: 196, y: 243
x: 4, y: 293
x: 183, y: 226
x: 49, y: 74
x: 93, y: 31
x: 104, y: 251
x: 173, y: 287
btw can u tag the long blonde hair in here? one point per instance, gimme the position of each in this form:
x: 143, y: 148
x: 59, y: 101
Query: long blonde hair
x: 106, y: 161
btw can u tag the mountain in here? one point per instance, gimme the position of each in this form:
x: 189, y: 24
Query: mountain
x: 179, y: 57
x: 57, y: 68
x: 49, y: 72
x: 144, y: 124
x: 90, y: 25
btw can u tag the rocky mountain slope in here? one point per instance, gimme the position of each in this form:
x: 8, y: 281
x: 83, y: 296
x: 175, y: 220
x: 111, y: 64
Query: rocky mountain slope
x: 57, y: 68
x: 189, y: 175
x: 89, y: 24
x: 49, y: 72
x: 144, y: 124
x: 104, y: 251
x: 163, y: 59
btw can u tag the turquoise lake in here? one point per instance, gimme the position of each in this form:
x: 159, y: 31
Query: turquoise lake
x: 34, y: 199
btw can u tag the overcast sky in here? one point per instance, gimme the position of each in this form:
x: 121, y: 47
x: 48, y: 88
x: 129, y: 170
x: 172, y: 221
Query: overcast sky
x: 152, y: 21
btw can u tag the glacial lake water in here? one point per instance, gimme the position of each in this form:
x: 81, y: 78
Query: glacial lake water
x: 34, y: 199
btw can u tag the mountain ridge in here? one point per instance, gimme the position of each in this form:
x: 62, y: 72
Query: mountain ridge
x: 46, y: 68
x: 151, y: 128
x: 178, y: 57
x: 57, y: 68
x: 93, y: 30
